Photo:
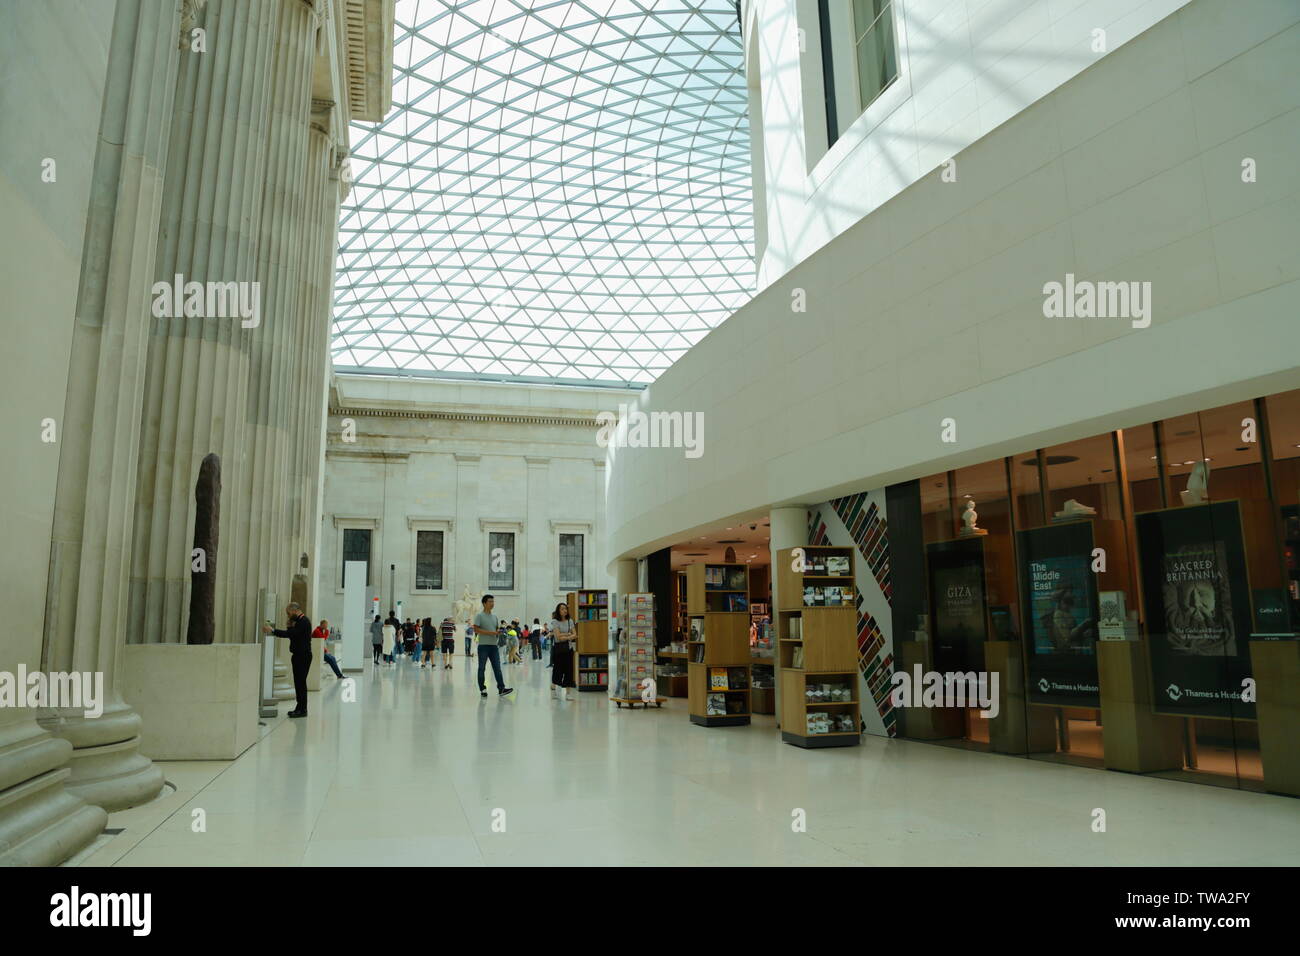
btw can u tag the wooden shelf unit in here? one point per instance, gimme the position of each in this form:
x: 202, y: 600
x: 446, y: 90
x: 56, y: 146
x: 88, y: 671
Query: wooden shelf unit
x: 725, y: 644
x: 827, y: 636
x: 592, y: 655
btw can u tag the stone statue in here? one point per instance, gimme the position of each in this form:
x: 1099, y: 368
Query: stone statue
x: 463, y: 610
x: 203, y: 559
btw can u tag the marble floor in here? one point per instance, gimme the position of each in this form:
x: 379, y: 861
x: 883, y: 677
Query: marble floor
x: 419, y: 770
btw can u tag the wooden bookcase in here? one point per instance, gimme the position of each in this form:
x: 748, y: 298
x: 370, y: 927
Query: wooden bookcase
x: 589, y: 610
x: 675, y: 686
x: 823, y: 641
x: 718, y: 612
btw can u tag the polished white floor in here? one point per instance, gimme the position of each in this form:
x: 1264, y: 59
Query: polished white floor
x: 418, y: 769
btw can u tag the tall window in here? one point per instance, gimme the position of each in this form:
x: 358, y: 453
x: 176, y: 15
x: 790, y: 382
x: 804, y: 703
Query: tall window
x: 864, y: 36
x: 428, y: 560
x: 873, y: 40
x: 570, y: 562
x: 356, y: 547
x: 501, y: 561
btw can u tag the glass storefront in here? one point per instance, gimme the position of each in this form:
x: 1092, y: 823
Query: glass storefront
x: 1127, y: 599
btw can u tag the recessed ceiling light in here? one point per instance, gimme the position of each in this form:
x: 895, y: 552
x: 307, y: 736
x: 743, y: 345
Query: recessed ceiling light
x: 1154, y: 457
x: 1189, y: 462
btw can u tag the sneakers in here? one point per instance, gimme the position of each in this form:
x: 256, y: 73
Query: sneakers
x: 568, y: 694
x: 297, y: 713
x: 505, y: 692
x: 555, y: 691
x: 482, y: 692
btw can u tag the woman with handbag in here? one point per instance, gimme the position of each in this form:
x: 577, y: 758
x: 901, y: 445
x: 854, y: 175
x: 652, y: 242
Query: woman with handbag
x: 563, y: 653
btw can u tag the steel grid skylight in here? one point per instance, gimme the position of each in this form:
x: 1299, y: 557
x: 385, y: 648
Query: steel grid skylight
x: 561, y: 192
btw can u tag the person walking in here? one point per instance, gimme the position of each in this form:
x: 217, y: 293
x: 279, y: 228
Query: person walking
x: 535, y: 638
x: 323, y: 632
x: 512, y: 642
x: 563, y: 635
x: 448, y: 629
x: 390, y: 639
x: 377, y: 637
x: 298, y: 634
x: 428, y: 642
x: 488, y: 630
x: 469, y: 642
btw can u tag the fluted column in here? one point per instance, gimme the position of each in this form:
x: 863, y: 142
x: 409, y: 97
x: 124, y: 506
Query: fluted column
x: 264, y: 548
x: 86, y: 603
x: 196, y: 388
x: 317, y: 308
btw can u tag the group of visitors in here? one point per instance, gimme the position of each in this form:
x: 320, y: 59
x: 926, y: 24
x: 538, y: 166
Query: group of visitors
x: 390, y: 638
x: 419, y: 641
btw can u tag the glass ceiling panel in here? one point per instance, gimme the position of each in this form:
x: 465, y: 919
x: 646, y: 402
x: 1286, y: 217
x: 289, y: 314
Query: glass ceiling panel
x: 561, y: 192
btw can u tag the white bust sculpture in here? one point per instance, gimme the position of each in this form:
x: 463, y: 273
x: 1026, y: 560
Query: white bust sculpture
x: 1198, y: 485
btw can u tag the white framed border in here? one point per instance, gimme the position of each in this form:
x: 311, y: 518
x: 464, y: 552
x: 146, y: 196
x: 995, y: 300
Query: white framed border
x: 356, y: 523
x: 516, y: 527
x: 418, y: 523
x: 584, y: 528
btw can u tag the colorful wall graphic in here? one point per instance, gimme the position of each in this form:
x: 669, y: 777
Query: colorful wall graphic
x: 860, y: 521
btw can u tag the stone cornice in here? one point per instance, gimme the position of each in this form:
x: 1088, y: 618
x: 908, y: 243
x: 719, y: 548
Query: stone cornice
x: 368, y: 28
x: 366, y: 455
x: 491, y: 417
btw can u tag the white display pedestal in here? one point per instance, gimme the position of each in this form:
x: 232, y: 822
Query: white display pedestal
x: 270, y: 707
x: 356, y: 634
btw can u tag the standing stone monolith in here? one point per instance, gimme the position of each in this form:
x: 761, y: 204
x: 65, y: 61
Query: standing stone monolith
x: 203, y: 559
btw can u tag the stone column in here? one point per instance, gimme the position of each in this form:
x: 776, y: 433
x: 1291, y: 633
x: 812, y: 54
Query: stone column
x: 197, y: 380
x: 85, y: 622
x: 264, y: 548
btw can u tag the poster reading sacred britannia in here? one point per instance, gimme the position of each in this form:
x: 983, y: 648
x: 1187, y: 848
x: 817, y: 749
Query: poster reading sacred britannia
x: 1198, y: 609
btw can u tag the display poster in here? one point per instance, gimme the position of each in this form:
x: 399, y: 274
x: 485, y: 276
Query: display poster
x: 1112, y: 616
x: 957, y: 608
x: 1198, y: 609
x: 1060, y: 590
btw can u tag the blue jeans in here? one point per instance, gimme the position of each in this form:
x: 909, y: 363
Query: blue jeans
x: 490, y: 652
x: 469, y: 646
x: 332, y: 662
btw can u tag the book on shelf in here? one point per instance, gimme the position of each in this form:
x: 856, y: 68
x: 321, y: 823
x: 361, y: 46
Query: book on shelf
x: 697, y: 629
x: 809, y: 593
x: 714, y: 578
x: 737, y: 602
x: 796, y: 629
x: 797, y: 661
x: 718, y: 679
x: 736, y: 579
x: 832, y: 597
x: 716, y: 705
x: 837, y: 565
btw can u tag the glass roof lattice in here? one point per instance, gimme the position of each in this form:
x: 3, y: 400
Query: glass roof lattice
x: 560, y: 194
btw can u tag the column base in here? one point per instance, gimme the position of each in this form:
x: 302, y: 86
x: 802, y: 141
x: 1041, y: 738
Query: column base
x: 107, y: 768
x: 41, y: 823
x: 281, y: 685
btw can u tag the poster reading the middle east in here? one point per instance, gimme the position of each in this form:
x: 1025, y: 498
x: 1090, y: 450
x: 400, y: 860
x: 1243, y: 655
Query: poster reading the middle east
x: 1060, y: 591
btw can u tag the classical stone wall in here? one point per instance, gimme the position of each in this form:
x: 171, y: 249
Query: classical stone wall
x: 466, y: 460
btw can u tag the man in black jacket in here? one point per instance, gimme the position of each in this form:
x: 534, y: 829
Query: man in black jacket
x: 299, y: 634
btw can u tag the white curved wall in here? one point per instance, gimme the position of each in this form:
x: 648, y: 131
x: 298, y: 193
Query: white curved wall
x: 932, y: 306
x: 965, y: 67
